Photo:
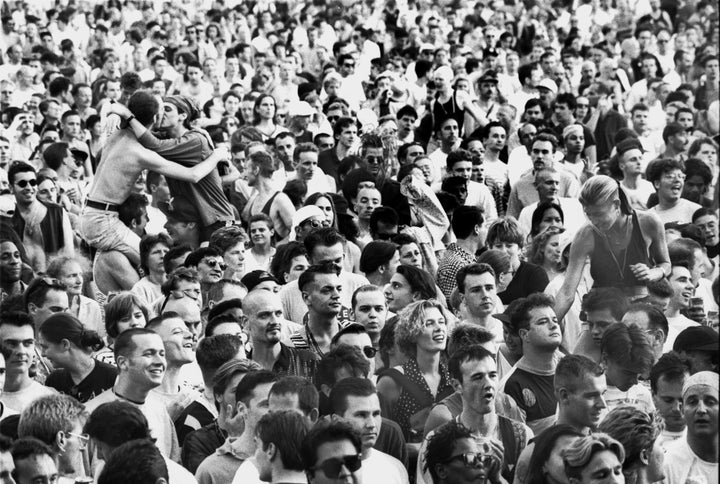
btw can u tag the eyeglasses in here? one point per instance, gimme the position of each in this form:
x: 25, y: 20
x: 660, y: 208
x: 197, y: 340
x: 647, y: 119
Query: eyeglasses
x: 83, y: 438
x: 332, y: 119
x: 374, y: 159
x: 316, y: 224
x: 369, y: 351
x: 674, y: 176
x: 332, y: 467
x: 215, y: 263
x: 349, y: 65
x: 24, y: 183
x: 473, y: 459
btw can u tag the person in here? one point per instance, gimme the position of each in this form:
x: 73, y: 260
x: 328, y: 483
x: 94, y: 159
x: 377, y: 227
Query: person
x: 459, y: 163
x: 354, y: 335
x: 152, y: 252
x: 530, y: 383
x: 639, y: 434
x: 378, y: 261
x: 699, y: 346
x: 476, y: 284
x: 124, y: 311
x: 17, y: 336
x: 251, y: 397
x: 666, y: 382
x: 596, y: 454
x: 545, y: 251
x: 627, y: 249
x: 695, y: 457
x: 260, y: 255
x: 630, y: 162
x: 410, y: 390
x: 601, y: 308
x: 69, y: 346
x: 369, y: 309
x: 467, y: 223
x: 356, y: 400
x: 33, y: 461
x: 668, y: 177
x: 651, y: 320
x: 280, y: 436
x: 135, y: 461
x: 7, y: 466
x: 331, y: 453
x: 140, y: 358
x: 114, y: 423
x: 546, y: 462
x: 57, y: 421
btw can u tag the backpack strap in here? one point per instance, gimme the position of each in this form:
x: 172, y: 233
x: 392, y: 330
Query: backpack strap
x: 409, y: 386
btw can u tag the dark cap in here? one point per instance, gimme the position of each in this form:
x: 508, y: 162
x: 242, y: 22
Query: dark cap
x: 375, y: 254
x: 506, y: 316
x: 79, y: 154
x: 696, y: 338
x: 629, y: 144
x: 488, y: 76
x: 254, y: 278
x: 180, y: 209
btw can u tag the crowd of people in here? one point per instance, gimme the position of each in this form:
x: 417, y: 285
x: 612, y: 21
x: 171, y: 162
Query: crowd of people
x: 356, y: 242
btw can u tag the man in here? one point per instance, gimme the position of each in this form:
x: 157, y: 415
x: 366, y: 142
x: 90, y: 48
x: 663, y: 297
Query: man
x: 524, y: 193
x: 367, y: 200
x: 699, y: 344
x: 266, y: 199
x: 630, y: 162
x: 626, y: 355
x: 374, y: 155
x: 59, y: 157
x: 305, y: 161
x: 264, y: 319
x: 369, y: 309
x: 11, y: 265
x: 496, y: 173
x: 322, y: 245
x: 331, y: 452
x: 651, y: 141
x: 251, y: 397
x: 675, y: 137
x: 378, y: 262
x: 530, y: 383
x: 564, y: 110
x: 17, y: 336
x: 44, y: 228
x: 448, y: 135
x: 284, y: 144
x: 605, y: 121
x: 695, y: 457
x: 651, y: 320
x: 667, y: 378
x: 355, y: 335
x: 407, y: 116
x: 280, y: 436
x: 140, y: 358
x: 680, y: 280
x: 345, y: 133
x: 602, y: 307
x: 181, y: 223
x: 478, y: 293
x: 113, y: 181
x: 210, y: 267
x: 474, y: 372
x: 467, y: 223
x: 138, y: 461
x: 57, y: 421
x: 7, y: 466
x: 574, y: 161
x: 186, y: 308
x: 33, y: 462
x: 460, y: 163
x: 356, y: 400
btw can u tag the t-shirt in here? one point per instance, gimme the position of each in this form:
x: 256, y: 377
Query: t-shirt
x: 247, y: 473
x: 100, y: 379
x: 676, y: 325
x: 147, y: 290
x: 220, y: 467
x: 681, y: 213
x: 380, y: 467
x: 683, y: 466
x: 667, y: 437
x: 19, y: 400
x: 534, y: 394
x: 638, y: 396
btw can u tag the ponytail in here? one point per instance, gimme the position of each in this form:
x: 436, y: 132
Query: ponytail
x: 62, y: 326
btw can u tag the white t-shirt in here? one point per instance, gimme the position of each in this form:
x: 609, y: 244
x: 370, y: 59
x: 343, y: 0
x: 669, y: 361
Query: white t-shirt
x: 638, y: 197
x: 638, y: 396
x: 675, y: 326
x: 682, y: 466
x: 18, y: 401
x: 573, y: 213
x: 681, y: 213
x: 380, y: 467
x: 247, y: 473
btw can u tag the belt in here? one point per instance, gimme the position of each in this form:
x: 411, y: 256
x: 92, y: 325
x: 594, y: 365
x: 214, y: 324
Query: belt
x: 106, y: 207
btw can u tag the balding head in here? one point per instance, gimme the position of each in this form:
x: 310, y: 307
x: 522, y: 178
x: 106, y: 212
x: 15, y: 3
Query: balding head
x: 263, y: 310
x: 258, y: 299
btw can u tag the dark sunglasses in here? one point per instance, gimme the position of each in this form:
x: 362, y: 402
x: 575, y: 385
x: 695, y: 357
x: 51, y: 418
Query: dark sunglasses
x: 332, y: 467
x: 348, y: 65
x: 369, y: 351
x: 215, y: 263
x: 316, y: 224
x: 473, y: 459
x: 332, y: 119
x: 24, y: 183
x: 374, y: 159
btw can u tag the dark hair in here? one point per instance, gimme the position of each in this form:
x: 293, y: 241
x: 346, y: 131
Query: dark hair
x: 349, y: 387
x: 539, y: 213
x: 628, y: 346
x: 343, y: 357
x: 180, y: 274
x: 246, y: 387
x: 327, y: 431
x: 352, y: 328
x: 146, y: 245
x: 133, y: 208
x: 214, y: 351
x: 572, y: 369
x: 37, y: 290
x: 682, y: 252
x: 497, y: 259
x: 702, y: 212
x: 385, y: 215
x: 144, y: 106
x: 308, y: 396
x: 658, y: 167
x: 55, y: 154
x: 58, y: 86
x: 505, y: 229
x: 195, y: 257
x: 174, y: 253
x: 465, y: 219
x: 26, y: 447
x: 119, y: 307
x: 284, y: 254
x: 520, y: 318
x: 327, y: 237
x: 635, y: 429
x: 19, y: 167
x: 286, y: 430
x: 308, y: 277
x: 420, y: 281
x: 475, y: 352
x: 544, y: 444
x: 697, y: 167
x: 672, y: 367
x: 472, y: 270
x: 611, y: 298
x: 657, y: 320
x: 441, y: 445
x: 62, y: 326
x: 114, y: 423
x: 136, y: 461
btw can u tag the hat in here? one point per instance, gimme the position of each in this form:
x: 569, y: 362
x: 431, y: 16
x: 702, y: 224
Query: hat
x: 180, y: 209
x: 696, y: 338
x: 82, y: 155
x: 427, y: 46
x: 253, y: 279
x: 302, y: 215
x: 629, y: 144
x: 488, y: 76
x: 507, y: 315
x: 572, y: 129
x: 548, y: 84
x: 375, y: 254
x: 300, y: 108
x: 444, y: 72
x: 706, y: 378
x: 184, y: 104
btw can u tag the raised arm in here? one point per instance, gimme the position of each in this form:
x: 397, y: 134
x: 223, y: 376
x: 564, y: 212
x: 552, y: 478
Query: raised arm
x: 154, y: 162
x: 579, y: 250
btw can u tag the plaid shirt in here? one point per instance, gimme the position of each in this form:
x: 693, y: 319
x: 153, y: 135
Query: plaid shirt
x: 454, y: 259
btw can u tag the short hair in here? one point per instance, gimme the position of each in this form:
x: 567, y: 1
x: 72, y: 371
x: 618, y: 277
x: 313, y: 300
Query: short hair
x: 65, y: 326
x: 544, y: 445
x: 226, y: 238
x: 488, y: 128
x: 702, y: 212
x: 660, y: 288
x: 463, y: 354
x: 465, y: 219
x: 143, y: 104
x: 217, y: 312
x: 172, y: 254
x: 456, y: 156
x: 498, y: 260
x: 133, y: 208
x: 351, y: 328
x: 119, y: 307
x: 17, y: 167
x: 54, y: 154
x: 195, y: 257
x: 505, y: 229
x: 58, y: 86
x: 611, y: 298
x: 385, y: 215
x: 369, y: 141
x: 547, y: 138
x: 411, y: 324
x: 214, y: 351
x: 349, y: 387
x: 326, y: 237
x: 114, y: 423
x: 568, y: 99
x: 634, y: 429
x: 628, y: 346
x: 179, y: 274
x: 303, y: 148
x: 579, y: 453
x: 286, y: 430
x: 284, y: 254
x: 683, y: 250
x: 572, y: 369
x: 146, y: 245
x: 657, y: 168
x: 137, y: 461
x: 672, y: 367
x: 37, y: 290
x: 520, y: 318
x: 27, y: 447
x: 308, y: 396
x: 124, y: 343
x: 362, y: 290
x: 309, y: 276
x: 420, y: 281
x: 343, y: 357
x: 247, y: 386
x: 656, y: 318
x: 697, y: 167
x: 48, y: 415
x: 441, y: 445
x: 17, y: 319
x: 472, y: 270
x: 328, y: 431
x: 466, y: 334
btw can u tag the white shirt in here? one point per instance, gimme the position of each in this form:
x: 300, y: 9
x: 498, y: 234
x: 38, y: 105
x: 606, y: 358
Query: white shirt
x: 683, y: 466
x: 519, y: 162
x: 382, y: 468
x: 682, y: 212
x: 438, y: 166
x: 675, y: 326
x: 573, y: 214
x: 247, y: 473
x: 638, y: 197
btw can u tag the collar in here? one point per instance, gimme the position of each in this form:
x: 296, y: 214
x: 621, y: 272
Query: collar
x: 230, y: 447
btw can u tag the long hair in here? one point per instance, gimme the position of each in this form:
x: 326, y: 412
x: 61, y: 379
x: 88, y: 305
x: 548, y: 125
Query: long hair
x: 313, y: 198
x: 411, y: 322
x: 62, y: 326
x: 539, y: 243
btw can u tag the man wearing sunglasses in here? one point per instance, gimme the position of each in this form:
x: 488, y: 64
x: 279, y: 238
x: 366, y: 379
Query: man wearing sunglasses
x: 331, y: 453
x: 305, y: 220
x: 210, y: 267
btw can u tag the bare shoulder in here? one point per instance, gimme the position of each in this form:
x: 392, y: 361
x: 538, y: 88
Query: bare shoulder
x: 649, y: 220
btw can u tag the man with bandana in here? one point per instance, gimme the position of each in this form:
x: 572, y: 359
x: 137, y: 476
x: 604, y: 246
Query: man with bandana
x: 186, y: 145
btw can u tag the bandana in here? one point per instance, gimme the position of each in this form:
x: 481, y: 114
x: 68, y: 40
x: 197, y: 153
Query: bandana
x: 572, y: 129
x: 707, y: 378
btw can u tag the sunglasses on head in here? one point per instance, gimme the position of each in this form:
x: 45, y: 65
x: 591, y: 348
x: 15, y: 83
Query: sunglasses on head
x: 216, y: 263
x: 332, y: 467
x: 24, y: 183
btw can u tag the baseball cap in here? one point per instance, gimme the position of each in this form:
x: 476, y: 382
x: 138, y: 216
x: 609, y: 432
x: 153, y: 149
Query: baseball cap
x: 254, y: 278
x: 696, y: 338
x: 506, y: 316
x: 300, y: 108
x: 548, y: 84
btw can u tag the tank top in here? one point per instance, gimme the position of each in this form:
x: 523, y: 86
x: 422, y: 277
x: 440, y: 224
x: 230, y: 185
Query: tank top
x: 449, y: 109
x: 610, y: 271
x: 268, y: 204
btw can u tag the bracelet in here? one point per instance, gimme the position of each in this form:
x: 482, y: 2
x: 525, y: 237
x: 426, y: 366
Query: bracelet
x: 126, y: 124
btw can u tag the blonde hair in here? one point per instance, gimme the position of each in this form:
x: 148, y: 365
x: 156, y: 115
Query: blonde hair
x: 581, y: 451
x: 411, y: 322
x: 601, y: 189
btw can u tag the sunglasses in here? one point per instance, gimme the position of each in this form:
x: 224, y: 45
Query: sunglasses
x: 369, y: 351
x: 24, y: 183
x: 215, y: 263
x: 316, y: 224
x: 348, y: 65
x: 473, y: 459
x: 332, y: 119
x: 332, y: 467
x: 374, y: 159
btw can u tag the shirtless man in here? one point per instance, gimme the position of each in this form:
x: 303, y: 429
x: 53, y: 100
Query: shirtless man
x: 122, y: 161
x: 265, y: 199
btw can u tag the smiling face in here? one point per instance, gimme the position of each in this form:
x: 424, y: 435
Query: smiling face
x: 585, y: 404
x: 434, y: 335
x: 136, y: 319
x: 145, y: 365
x: 683, y: 288
x: 24, y: 187
x: 10, y: 263
x: 178, y: 341
x: 71, y: 275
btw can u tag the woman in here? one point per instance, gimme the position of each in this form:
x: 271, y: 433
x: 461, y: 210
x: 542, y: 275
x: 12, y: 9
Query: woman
x: 289, y: 262
x: 122, y: 312
x: 546, y: 214
x: 152, y: 252
x: 70, y: 272
x: 409, y: 251
x: 69, y: 346
x: 546, y: 251
x: 594, y: 459
x: 411, y: 389
x: 259, y: 255
x: 546, y: 462
x: 325, y: 203
x: 231, y: 242
x: 639, y: 433
x: 627, y: 249
x: 264, y: 113
x: 505, y: 234
x: 407, y: 285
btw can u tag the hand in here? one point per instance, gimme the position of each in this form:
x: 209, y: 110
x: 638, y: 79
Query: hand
x: 643, y: 273
x: 496, y: 452
x: 222, y: 152
x: 120, y: 109
x: 72, y: 195
x: 234, y: 424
